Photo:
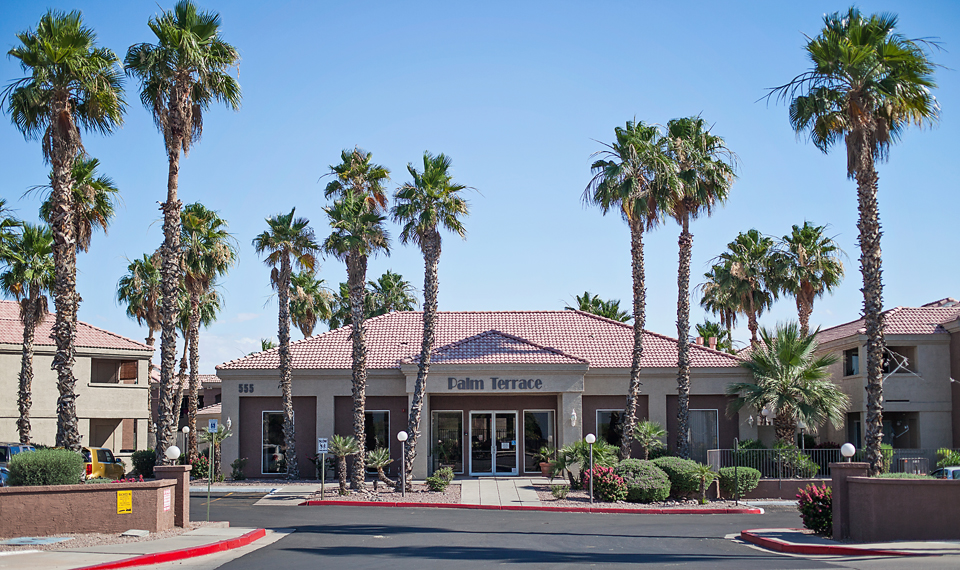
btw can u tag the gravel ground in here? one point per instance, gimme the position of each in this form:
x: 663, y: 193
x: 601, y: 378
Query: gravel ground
x: 97, y: 539
x: 582, y: 499
x: 386, y: 494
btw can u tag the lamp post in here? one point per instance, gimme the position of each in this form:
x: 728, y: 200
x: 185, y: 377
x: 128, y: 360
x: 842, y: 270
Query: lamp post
x: 803, y: 441
x: 847, y: 450
x: 766, y: 413
x: 591, y: 439
x: 402, y: 438
x: 172, y: 453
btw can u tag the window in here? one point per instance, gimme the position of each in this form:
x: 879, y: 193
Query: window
x: 900, y: 360
x: 851, y: 362
x: 447, y: 430
x: 610, y: 426
x: 105, y: 456
x: 537, y: 433
x: 274, y: 449
x: 376, y: 425
x: 111, y: 371
x: 704, y: 433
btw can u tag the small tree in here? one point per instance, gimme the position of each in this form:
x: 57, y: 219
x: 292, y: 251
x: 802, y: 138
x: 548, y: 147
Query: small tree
x: 342, y: 447
x: 214, y: 438
x: 378, y: 459
x: 650, y: 436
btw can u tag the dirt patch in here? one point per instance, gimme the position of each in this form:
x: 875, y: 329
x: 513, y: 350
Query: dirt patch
x: 385, y: 494
x: 97, y: 539
x: 582, y: 499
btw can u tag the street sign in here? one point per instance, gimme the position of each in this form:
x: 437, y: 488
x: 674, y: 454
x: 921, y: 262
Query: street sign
x: 212, y: 424
x: 322, y: 445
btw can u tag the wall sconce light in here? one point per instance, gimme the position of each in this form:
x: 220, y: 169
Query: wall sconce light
x: 573, y: 417
x: 750, y: 420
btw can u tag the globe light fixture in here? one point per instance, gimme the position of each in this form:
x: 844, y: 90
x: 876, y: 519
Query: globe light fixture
x: 402, y: 438
x: 172, y: 453
x: 591, y: 439
x: 185, y: 430
x: 847, y: 450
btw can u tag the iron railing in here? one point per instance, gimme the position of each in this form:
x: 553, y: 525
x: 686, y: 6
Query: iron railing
x: 815, y: 463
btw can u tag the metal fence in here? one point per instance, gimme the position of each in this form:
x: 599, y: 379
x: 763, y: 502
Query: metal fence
x: 813, y: 463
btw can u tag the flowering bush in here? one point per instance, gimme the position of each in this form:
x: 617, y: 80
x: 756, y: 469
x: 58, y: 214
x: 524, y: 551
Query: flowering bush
x: 816, y: 508
x: 607, y: 485
x: 130, y: 480
x: 200, y: 467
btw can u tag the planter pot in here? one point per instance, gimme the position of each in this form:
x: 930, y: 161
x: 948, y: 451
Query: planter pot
x: 545, y: 469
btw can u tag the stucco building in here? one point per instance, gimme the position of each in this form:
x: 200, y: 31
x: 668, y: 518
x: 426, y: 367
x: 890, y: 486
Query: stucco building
x: 501, y: 385
x: 111, y: 387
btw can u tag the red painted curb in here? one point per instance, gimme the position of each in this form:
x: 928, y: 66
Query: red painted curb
x: 183, y: 553
x: 791, y: 548
x: 640, y: 511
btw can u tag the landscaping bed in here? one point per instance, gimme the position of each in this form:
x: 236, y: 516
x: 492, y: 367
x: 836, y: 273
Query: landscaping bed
x: 385, y: 494
x: 81, y: 540
x: 578, y: 498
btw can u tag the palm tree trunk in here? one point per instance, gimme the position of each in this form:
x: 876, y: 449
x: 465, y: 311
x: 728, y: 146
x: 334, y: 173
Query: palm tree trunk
x: 870, y: 267
x: 785, y: 427
x: 431, y: 285
x: 356, y: 278
x: 752, y: 322
x: 804, y: 309
x: 26, y: 369
x: 151, y: 426
x: 194, y: 342
x: 286, y: 371
x: 178, y: 401
x: 342, y: 474
x: 683, y: 346
x: 639, y: 320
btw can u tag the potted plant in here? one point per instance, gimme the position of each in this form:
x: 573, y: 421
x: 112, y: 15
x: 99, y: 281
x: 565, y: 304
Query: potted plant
x: 544, y: 456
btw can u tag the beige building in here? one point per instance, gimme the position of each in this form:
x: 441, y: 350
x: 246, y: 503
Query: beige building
x: 921, y: 402
x: 111, y: 387
x: 501, y: 385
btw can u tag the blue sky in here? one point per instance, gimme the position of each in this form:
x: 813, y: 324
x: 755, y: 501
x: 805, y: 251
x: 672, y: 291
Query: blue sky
x: 518, y: 94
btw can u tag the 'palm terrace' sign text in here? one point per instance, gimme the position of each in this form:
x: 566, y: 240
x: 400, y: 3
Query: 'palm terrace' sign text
x: 494, y: 383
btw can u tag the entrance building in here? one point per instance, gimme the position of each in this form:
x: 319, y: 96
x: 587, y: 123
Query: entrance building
x: 501, y: 386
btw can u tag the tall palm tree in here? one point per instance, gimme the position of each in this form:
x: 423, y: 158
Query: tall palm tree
x: 310, y: 301
x: 207, y: 254
x: 811, y: 266
x: 95, y: 199
x: 8, y: 227
x: 791, y: 380
x: 431, y: 201
x: 28, y: 278
x: 209, y: 305
x: 609, y: 309
x: 868, y: 83
x: 139, y: 289
x: 180, y: 76
x: 705, y: 173
x: 751, y: 278
x: 709, y: 329
x: 289, y: 242
x: 358, y: 233
x: 72, y: 85
x: 391, y: 292
x: 717, y: 298
x: 627, y: 178
x: 358, y: 174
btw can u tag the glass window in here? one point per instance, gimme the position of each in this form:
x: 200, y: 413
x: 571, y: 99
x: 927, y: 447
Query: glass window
x: 105, y: 456
x: 610, y: 426
x: 4, y: 454
x: 274, y: 448
x: 704, y: 433
x: 851, y: 362
x: 537, y: 433
x: 377, y: 430
x: 447, y: 429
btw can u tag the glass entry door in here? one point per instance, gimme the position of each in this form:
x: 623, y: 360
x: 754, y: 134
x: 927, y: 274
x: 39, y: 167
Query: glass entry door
x: 493, y: 443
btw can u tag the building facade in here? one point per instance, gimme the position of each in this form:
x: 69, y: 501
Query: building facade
x: 501, y: 386
x: 111, y: 373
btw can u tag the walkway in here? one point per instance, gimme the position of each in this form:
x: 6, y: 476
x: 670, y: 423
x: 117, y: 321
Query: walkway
x: 500, y: 491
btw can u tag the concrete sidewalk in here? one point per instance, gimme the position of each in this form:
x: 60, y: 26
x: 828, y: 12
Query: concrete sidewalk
x: 501, y: 491
x: 69, y: 558
x: 280, y: 495
x: 803, y: 542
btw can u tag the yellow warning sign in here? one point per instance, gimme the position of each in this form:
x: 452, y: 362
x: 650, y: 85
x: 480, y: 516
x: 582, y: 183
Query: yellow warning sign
x: 124, y: 502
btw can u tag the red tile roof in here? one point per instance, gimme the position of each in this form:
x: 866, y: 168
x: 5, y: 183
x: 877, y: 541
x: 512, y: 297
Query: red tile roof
x: 204, y: 378
x: 213, y: 410
x: 88, y: 336
x: 575, y: 335
x: 495, y: 347
x: 928, y: 319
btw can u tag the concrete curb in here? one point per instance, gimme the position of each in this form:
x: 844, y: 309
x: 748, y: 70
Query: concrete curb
x: 172, y: 555
x: 820, y: 549
x: 640, y: 511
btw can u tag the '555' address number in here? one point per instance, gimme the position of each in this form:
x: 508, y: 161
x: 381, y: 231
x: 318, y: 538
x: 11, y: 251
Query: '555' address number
x: 245, y: 388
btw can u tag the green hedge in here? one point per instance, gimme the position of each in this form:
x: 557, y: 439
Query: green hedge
x: 46, y: 467
x: 749, y: 479
x: 684, y: 480
x: 902, y: 476
x: 143, y: 462
x: 646, y: 483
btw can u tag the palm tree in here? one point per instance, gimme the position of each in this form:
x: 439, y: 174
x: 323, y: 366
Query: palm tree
x: 430, y: 202
x: 649, y: 435
x: 868, y: 83
x: 593, y: 304
x: 358, y: 233
x: 207, y: 253
x: 378, y: 459
x: 357, y: 174
x: 749, y: 275
x: 94, y: 201
x: 209, y: 305
x: 705, y: 173
x: 717, y: 298
x: 391, y: 292
x: 342, y: 447
x: 180, y: 76
x: 310, y: 301
x: 626, y: 179
x: 139, y: 289
x: 709, y: 329
x: 28, y: 278
x: 73, y: 85
x: 289, y: 242
x: 811, y: 266
x: 791, y: 380
x: 8, y: 225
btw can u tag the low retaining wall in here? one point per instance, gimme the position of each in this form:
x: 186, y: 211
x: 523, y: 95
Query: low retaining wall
x: 903, y: 509
x: 54, y: 509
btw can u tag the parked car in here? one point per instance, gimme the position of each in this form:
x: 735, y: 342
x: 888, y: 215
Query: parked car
x: 947, y: 473
x: 100, y: 462
x: 8, y: 450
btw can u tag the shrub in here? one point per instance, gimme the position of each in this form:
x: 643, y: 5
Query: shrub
x: 237, y: 469
x: 816, y: 508
x: 744, y: 478
x: 578, y: 453
x: 46, y: 467
x: 886, y: 455
x: 903, y: 476
x: 827, y: 445
x: 607, y: 485
x: 646, y: 483
x: 200, y: 467
x: 948, y: 458
x: 559, y: 491
x: 144, y: 462
x: 441, y: 479
x: 684, y: 480
x: 98, y: 480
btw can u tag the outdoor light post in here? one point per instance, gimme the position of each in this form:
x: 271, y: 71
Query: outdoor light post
x: 590, y: 439
x: 402, y: 438
x: 803, y: 428
x: 736, y: 462
x: 847, y: 450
